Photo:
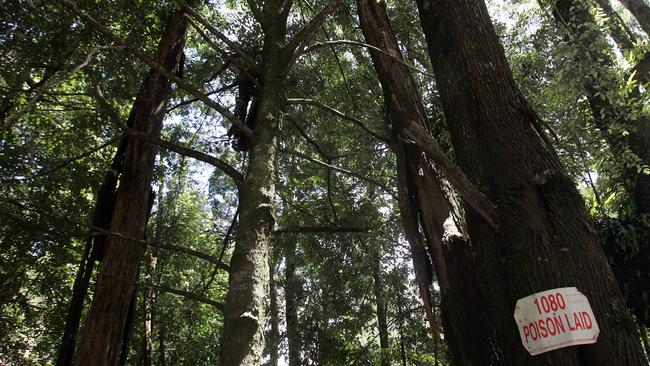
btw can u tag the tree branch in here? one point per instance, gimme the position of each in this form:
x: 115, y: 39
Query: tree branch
x: 176, y: 248
x: 319, y: 229
x: 356, y: 121
x: 369, y: 46
x: 233, y: 173
x: 156, y: 66
x: 340, y: 170
x: 416, y: 134
x: 310, y: 28
x: 185, y: 294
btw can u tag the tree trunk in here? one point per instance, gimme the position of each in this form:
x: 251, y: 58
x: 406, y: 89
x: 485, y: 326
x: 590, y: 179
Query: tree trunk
x: 245, y: 307
x: 382, y: 324
x: 274, y: 336
x: 641, y: 11
x: 421, y: 200
x: 147, y: 327
x: 116, y: 283
x: 402, y: 346
x: 93, y: 251
x: 619, y: 31
x: 291, y: 311
x: 544, y: 240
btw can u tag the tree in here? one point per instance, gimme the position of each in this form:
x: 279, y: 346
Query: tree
x: 544, y: 239
x: 108, y: 314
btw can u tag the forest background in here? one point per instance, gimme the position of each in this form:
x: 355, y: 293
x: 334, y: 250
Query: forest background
x: 340, y: 280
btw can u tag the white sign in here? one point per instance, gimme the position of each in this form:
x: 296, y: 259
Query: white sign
x: 555, y: 319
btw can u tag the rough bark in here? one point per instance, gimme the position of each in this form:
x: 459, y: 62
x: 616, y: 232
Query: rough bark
x: 545, y: 239
x: 421, y: 200
x: 107, y: 317
x: 382, y: 324
x: 245, y: 308
x: 641, y: 11
x: 291, y: 307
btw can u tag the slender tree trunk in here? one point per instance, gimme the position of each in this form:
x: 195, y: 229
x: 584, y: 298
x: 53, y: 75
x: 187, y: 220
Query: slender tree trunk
x: 79, y: 291
x: 544, y: 240
x: 274, y: 336
x: 421, y: 200
x: 641, y: 11
x: 382, y: 324
x: 147, y: 327
x: 116, y: 284
x: 402, y: 346
x: 162, y: 348
x: 619, y: 31
x: 291, y: 307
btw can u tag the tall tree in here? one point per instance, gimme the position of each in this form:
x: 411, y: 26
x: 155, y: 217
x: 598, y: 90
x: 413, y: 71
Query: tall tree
x: 116, y: 285
x: 422, y: 202
x: 544, y: 239
x: 243, y: 333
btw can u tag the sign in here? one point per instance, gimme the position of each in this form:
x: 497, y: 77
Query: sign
x: 554, y: 319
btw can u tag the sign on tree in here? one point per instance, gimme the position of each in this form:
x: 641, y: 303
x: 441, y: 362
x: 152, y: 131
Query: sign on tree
x: 555, y: 319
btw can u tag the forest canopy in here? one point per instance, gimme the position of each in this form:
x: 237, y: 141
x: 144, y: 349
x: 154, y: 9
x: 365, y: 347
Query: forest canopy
x: 320, y: 182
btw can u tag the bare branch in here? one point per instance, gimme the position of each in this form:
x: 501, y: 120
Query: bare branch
x: 320, y: 229
x: 308, y: 138
x: 416, y: 134
x: 340, y: 170
x: 257, y: 12
x: 176, y: 248
x: 156, y: 66
x: 185, y: 294
x: 310, y: 28
x: 236, y: 176
x: 356, y: 121
x: 369, y: 46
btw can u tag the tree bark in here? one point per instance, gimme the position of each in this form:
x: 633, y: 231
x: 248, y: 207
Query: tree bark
x: 641, y: 11
x: 421, y: 200
x: 382, y: 324
x: 291, y: 307
x: 545, y: 240
x: 93, y: 251
x: 116, y: 283
x: 245, y: 308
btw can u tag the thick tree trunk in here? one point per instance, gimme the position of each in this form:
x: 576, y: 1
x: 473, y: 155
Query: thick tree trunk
x: 382, y: 324
x: 421, y: 200
x: 116, y: 284
x: 641, y: 11
x: 545, y: 240
x: 245, y: 308
x: 291, y: 307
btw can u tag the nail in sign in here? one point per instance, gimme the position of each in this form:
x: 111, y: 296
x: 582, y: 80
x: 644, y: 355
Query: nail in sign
x: 555, y: 319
